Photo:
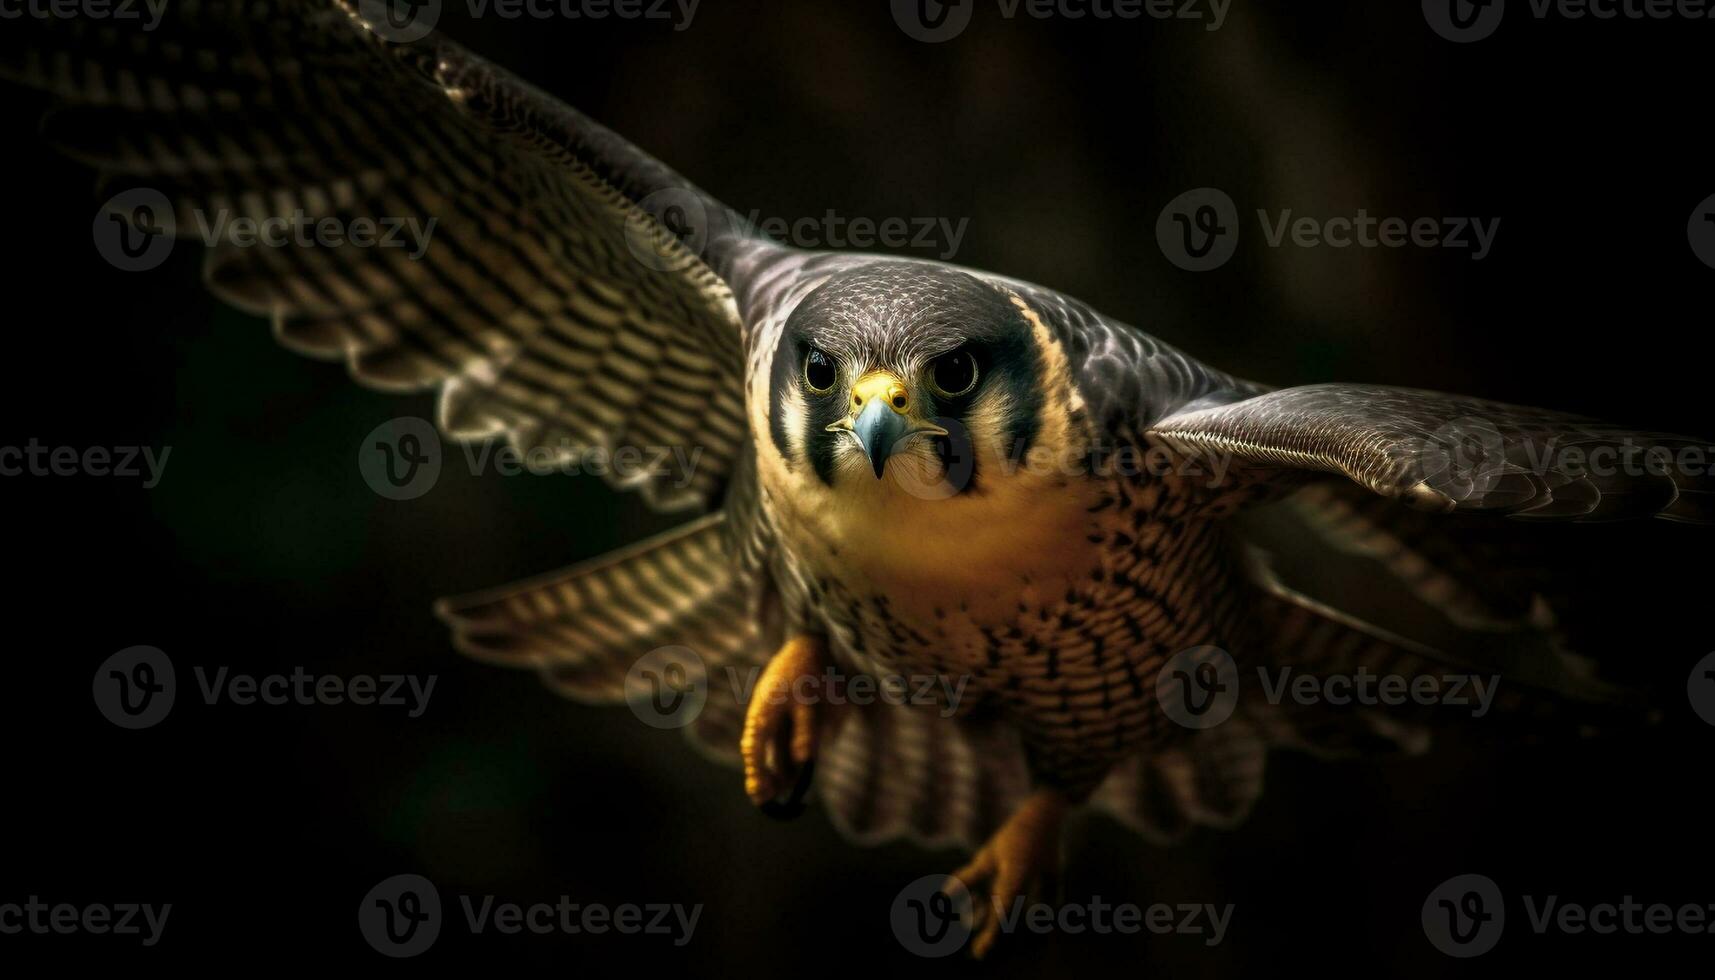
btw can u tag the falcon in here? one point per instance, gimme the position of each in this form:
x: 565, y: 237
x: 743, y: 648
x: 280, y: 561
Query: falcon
x: 903, y: 469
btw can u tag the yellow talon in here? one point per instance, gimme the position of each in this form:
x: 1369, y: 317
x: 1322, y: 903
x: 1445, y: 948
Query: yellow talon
x: 775, y: 712
x: 1013, y: 863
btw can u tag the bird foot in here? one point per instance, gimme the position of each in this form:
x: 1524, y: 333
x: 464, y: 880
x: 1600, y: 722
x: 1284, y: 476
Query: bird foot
x: 1015, y: 863
x: 779, y: 739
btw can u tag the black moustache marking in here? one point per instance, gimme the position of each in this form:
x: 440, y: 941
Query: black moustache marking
x: 896, y: 313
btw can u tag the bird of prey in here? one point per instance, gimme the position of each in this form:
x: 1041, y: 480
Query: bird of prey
x: 907, y: 468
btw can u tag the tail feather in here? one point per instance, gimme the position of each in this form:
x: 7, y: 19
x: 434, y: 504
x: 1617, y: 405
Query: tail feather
x: 1213, y: 779
x: 910, y: 772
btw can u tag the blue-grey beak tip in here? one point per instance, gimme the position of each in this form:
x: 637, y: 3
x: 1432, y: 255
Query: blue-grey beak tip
x: 878, y: 428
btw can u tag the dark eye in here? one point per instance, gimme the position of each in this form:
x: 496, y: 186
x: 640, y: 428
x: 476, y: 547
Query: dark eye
x: 819, y: 372
x: 954, y: 374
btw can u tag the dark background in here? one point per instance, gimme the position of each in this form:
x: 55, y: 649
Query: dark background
x: 1061, y: 141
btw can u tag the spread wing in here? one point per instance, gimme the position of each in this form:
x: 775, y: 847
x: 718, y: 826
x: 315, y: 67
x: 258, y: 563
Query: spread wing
x: 548, y: 303
x: 1448, y: 453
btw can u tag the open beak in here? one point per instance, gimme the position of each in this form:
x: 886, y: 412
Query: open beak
x: 880, y: 417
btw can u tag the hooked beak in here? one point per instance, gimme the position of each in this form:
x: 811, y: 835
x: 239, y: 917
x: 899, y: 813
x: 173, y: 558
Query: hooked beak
x: 878, y: 428
x: 880, y: 417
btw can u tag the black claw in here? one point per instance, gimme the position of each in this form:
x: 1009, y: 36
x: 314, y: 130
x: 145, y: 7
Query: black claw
x: 792, y: 805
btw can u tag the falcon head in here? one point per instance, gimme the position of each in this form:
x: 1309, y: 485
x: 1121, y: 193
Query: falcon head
x: 909, y: 370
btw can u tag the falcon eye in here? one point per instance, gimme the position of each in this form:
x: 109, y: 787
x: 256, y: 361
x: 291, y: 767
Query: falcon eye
x: 819, y: 372
x: 954, y: 374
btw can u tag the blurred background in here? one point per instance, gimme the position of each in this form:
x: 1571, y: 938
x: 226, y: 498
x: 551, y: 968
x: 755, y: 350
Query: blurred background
x: 1060, y: 141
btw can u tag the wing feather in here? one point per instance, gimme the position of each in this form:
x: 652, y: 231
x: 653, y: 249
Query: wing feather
x: 541, y: 295
x: 1448, y: 453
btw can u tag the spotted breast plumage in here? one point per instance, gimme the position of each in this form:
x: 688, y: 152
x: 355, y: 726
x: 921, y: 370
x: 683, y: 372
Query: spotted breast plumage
x: 1041, y: 524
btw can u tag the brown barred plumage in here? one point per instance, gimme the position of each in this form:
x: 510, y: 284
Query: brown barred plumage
x: 555, y: 307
